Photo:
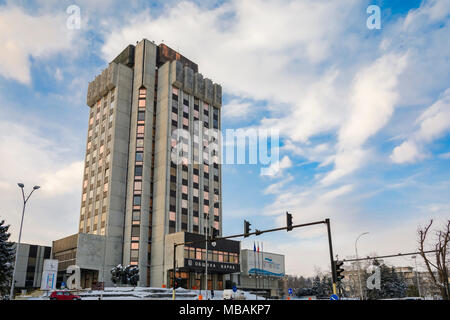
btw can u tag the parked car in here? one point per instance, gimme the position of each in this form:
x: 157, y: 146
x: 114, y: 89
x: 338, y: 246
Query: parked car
x: 63, y: 295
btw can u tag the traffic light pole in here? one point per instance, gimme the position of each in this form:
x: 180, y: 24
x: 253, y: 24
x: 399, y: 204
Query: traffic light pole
x: 173, y: 273
x: 333, y: 267
x: 259, y: 232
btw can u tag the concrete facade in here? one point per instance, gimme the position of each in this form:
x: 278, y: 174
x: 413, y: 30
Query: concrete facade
x: 86, y: 251
x: 133, y: 194
x: 30, y: 263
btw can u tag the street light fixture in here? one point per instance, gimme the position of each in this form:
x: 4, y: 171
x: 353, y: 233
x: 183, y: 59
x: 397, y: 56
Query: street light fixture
x: 359, y: 277
x: 25, y: 199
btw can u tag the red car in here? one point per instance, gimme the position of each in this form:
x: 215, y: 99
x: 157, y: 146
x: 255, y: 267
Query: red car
x: 63, y: 295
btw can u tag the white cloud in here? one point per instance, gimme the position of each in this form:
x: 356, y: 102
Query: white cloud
x: 276, y: 169
x: 23, y: 36
x: 432, y: 124
x: 333, y: 194
x: 445, y: 155
x: 406, y: 152
x: 62, y: 181
x: 429, y: 11
x: 236, y: 109
x: 59, y: 74
x: 33, y: 159
x: 276, y: 187
x: 372, y: 102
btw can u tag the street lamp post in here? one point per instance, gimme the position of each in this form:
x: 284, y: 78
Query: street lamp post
x: 359, y: 277
x: 25, y: 199
x: 417, y: 275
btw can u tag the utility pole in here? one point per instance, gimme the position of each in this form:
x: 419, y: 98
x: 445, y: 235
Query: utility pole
x: 25, y: 200
x: 206, y: 260
x: 330, y: 244
x: 417, y: 275
x: 358, y: 266
x: 173, y: 273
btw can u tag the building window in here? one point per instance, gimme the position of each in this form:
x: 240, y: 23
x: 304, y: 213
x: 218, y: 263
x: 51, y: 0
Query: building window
x: 135, y: 232
x: 141, y: 116
x: 138, y: 185
x: 134, y: 255
x: 137, y: 200
x: 139, y: 156
x: 138, y: 171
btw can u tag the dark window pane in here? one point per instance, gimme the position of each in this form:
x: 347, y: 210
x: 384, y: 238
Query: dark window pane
x: 135, y: 231
x: 33, y: 251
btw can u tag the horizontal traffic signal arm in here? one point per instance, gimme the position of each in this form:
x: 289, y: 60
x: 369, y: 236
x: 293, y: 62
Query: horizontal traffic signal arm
x: 256, y: 233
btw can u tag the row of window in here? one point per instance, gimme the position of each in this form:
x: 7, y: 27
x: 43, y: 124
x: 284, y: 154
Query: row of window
x: 213, y: 255
x: 137, y: 188
x: 195, y: 112
x: 96, y: 180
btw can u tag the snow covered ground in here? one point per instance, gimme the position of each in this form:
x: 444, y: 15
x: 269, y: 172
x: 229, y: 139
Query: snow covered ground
x: 145, y: 293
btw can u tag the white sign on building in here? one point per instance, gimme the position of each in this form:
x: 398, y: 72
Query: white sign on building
x: 264, y: 263
x: 49, y: 274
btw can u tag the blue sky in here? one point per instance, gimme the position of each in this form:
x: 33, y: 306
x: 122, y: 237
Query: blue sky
x: 363, y: 115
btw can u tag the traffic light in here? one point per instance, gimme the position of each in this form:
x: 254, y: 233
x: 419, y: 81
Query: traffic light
x: 288, y: 221
x: 246, y: 228
x: 177, y: 283
x: 339, y: 270
x: 215, y: 233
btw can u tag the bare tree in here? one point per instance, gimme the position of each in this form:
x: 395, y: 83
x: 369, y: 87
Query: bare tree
x: 437, y: 269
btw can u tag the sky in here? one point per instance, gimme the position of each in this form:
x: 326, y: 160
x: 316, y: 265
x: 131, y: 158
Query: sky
x: 363, y: 114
